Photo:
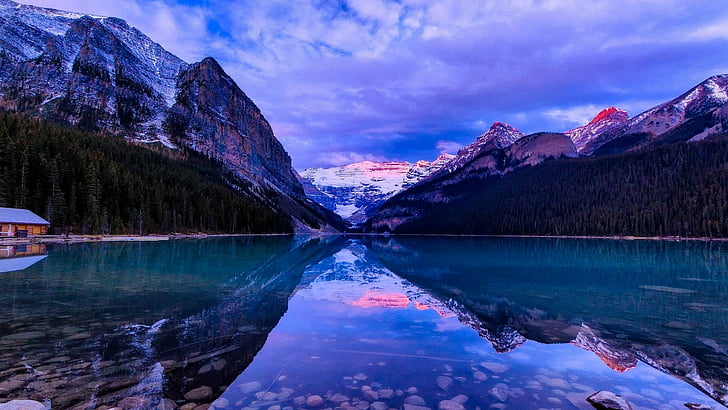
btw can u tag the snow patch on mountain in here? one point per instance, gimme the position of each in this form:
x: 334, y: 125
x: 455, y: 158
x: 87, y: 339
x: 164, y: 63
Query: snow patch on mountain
x: 354, y: 189
x: 709, y: 94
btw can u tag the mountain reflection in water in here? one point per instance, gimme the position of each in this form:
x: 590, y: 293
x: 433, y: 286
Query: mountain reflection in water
x: 367, y: 322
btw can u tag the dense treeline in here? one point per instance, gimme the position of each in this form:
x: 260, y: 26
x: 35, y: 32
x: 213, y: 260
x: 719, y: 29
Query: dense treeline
x: 675, y: 190
x: 89, y: 183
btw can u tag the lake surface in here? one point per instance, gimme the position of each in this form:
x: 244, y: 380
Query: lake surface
x: 365, y: 322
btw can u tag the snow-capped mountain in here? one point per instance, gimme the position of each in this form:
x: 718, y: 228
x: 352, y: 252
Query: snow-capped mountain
x: 699, y: 113
x: 100, y: 74
x: 499, y: 135
x: 587, y: 137
x: 706, y: 96
x: 353, y: 191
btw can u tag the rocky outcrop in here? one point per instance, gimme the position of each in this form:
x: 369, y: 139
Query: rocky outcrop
x: 212, y: 115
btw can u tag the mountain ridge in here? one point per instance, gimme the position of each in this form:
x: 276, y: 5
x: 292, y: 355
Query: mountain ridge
x: 700, y: 113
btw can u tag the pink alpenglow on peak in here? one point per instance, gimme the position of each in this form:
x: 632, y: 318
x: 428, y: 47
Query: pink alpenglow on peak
x: 586, y: 137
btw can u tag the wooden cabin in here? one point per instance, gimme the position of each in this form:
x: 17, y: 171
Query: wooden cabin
x: 21, y: 222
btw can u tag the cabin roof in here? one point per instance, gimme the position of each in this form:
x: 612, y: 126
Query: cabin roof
x: 20, y: 216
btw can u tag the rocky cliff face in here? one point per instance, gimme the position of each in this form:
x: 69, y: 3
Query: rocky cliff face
x: 212, y: 115
x: 101, y: 74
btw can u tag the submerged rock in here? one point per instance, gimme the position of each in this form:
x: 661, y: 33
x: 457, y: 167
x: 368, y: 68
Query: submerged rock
x: 480, y: 376
x: 314, y: 400
x: 414, y: 401
x: 339, y: 398
x: 370, y: 395
x: 250, y: 387
x: 444, y: 382
x: 606, y: 400
x: 499, y: 392
x: 450, y: 405
x: 221, y: 403
x: 495, y: 367
x: 379, y: 405
x: 413, y: 407
x: 199, y: 394
x: 460, y: 398
x: 22, y: 405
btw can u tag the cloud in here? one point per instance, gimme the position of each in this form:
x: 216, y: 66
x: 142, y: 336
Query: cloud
x: 573, y: 116
x: 391, y: 78
x: 449, y: 147
x: 343, y: 158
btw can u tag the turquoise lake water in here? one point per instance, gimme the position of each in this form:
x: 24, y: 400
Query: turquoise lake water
x: 365, y: 322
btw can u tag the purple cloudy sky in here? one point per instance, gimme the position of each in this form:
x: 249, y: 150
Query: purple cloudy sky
x: 347, y: 80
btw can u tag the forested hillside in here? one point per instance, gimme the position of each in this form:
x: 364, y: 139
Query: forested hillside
x: 90, y: 183
x: 675, y: 190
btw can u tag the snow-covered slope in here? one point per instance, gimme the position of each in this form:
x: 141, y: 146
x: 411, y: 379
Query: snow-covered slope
x: 354, y: 190
x: 707, y: 95
x: 589, y: 136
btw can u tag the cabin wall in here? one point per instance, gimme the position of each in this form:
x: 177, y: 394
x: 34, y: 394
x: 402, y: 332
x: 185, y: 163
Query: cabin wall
x: 7, y: 229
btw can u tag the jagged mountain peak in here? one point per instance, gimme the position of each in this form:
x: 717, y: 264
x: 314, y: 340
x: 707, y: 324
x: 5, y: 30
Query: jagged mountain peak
x: 609, y: 114
x: 588, y: 137
x: 500, y: 134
